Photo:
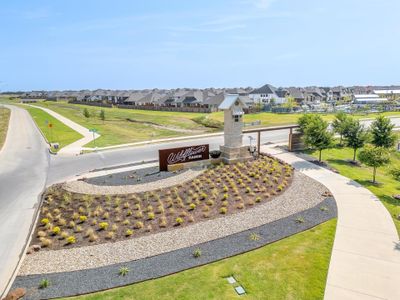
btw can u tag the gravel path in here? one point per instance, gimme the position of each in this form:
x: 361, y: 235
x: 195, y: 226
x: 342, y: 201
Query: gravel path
x: 298, y: 197
x: 74, y: 283
x: 83, y: 187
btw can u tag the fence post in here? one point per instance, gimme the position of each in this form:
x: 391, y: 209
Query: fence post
x: 259, y: 142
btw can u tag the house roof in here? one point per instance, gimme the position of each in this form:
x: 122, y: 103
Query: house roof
x: 265, y: 89
x: 230, y: 100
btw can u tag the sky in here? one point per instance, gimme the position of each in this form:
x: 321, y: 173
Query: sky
x: 132, y: 44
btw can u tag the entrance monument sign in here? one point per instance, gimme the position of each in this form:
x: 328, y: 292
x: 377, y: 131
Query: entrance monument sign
x: 233, y: 149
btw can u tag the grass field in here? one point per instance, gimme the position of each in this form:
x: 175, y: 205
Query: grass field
x: 388, y: 185
x: 4, y: 119
x: 143, y: 125
x: 59, y: 133
x: 293, y: 268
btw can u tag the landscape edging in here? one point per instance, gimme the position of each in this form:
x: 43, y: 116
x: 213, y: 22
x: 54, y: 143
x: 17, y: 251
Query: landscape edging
x: 74, y: 283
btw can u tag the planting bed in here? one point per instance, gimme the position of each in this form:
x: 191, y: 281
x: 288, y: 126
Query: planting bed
x: 71, y: 219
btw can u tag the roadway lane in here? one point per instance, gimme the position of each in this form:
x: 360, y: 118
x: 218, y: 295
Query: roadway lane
x: 63, y: 167
x: 23, y: 171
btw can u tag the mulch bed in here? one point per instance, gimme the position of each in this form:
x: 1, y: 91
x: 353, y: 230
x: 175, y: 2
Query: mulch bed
x: 72, y: 220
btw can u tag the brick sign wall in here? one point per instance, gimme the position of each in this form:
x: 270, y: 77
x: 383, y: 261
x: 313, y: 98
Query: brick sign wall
x: 182, y: 155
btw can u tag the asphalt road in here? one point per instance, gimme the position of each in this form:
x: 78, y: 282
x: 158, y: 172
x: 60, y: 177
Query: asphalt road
x: 23, y: 170
x: 63, y: 168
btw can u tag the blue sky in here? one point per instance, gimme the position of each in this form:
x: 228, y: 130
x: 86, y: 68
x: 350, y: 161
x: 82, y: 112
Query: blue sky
x: 121, y: 44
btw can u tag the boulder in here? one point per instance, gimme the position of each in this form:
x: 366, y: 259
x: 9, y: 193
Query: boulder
x: 15, y: 294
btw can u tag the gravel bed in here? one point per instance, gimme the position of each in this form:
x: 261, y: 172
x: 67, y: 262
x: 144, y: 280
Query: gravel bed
x: 90, y: 280
x: 298, y: 197
x: 134, y: 177
x: 83, y: 187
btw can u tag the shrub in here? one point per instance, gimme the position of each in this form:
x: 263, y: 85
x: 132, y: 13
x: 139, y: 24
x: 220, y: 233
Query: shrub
x: 126, y: 205
x: 71, y: 240
x: 94, y: 222
x: 138, y: 225
x: 78, y: 228
x: 224, y: 203
x: 83, y: 218
x: 223, y: 210
x: 110, y: 235
x: 123, y: 271
x: 128, y: 213
x: 103, y: 225
x: 179, y: 221
x: 75, y: 216
x: 62, y: 222
x: 139, y: 215
x: 163, y: 222
x: 41, y: 233
x: 258, y: 199
x: 45, y: 242
x: 128, y: 232
x: 126, y: 222
x: 114, y: 227
x: 56, y: 230
x: 240, y: 205
x: 89, y: 232
x: 93, y: 237
x: 225, y: 197
x: 44, y: 283
x: 71, y: 224
x: 106, y: 215
x: 254, y: 237
x: 45, y: 221
x: 197, y: 253
x: 192, y: 206
x: 64, y: 234
x: 149, y: 228
x: 248, y: 190
x: 150, y: 216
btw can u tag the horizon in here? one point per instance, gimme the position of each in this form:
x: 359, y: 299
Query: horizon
x: 243, y: 43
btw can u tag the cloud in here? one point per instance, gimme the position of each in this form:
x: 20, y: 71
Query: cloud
x: 261, y: 4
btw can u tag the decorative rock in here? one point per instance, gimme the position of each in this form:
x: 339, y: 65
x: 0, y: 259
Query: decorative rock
x: 15, y: 294
x: 397, y: 197
x: 33, y: 248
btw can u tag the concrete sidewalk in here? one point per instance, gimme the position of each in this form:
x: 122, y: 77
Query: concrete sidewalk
x: 76, y: 147
x: 365, y: 262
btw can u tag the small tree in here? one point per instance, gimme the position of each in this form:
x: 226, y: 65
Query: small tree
x: 374, y: 157
x: 290, y: 103
x: 86, y: 113
x: 356, y: 135
x: 382, y: 132
x: 340, y: 124
x: 102, y: 115
x: 304, y: 121
x: 317, y: 136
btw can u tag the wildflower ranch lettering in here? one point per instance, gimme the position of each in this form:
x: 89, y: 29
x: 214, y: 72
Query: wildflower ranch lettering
x: 182, y: 155
x: 186, y: 154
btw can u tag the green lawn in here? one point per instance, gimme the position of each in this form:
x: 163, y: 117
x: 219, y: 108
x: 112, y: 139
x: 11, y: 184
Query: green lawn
x: 293, y: 268
x: 4, y: 119
x: 388, y: 185
x: 118, y: 130
x: 274, y: 119
x: 59, y: 133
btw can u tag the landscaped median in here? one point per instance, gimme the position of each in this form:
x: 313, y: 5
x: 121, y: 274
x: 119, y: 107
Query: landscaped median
x: 88, y: 241
x: 4, y: 120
